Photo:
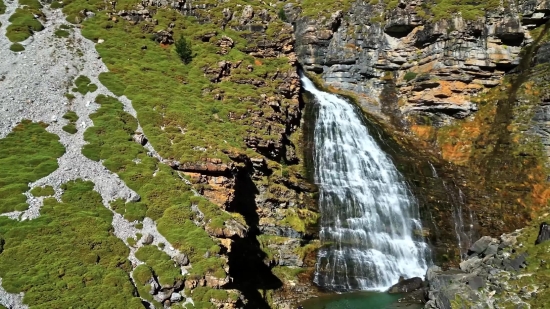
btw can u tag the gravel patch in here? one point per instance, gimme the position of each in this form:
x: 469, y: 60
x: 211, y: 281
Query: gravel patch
x: 33, y: 84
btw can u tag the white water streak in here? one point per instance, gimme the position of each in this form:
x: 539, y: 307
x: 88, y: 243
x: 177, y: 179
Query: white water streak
x: 368, y: 213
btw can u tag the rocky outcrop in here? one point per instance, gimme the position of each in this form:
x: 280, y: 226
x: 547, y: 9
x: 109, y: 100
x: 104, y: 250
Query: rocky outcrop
x: 435, y: 66
x: 484, y: 278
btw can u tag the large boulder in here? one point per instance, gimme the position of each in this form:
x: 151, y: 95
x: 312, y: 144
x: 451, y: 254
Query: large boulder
x: 406, y: 285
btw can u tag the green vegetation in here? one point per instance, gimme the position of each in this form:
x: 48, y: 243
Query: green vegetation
x: 131, y: 211
x: 68, y: 257
x: 164, y: 197
x: 71, y: 126
x: 161, y: 264
x: 60, y: 33
x: 16, y: 47
x: 446, y: 9
x: 112, y: 82
x: 24, y: 24
x: 184, y: 50
x: 56, y: 5
x: 43, y: 191
x: 410, y: 76
x: 84, y: 85
x: 2, y: 7
x: 70, y: 96
x: 171, y: 97
x: 28, y: 153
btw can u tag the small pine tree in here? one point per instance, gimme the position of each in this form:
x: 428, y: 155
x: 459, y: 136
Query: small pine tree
x: 184, y: 50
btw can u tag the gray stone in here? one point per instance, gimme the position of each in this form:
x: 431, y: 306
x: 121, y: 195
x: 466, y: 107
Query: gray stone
x: 480, y: 245
x: 175, y: 297
x: 181, y: 259
x: 148, y: 239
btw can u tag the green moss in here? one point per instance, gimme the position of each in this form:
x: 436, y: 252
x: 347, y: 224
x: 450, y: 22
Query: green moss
x: 25, y: 162
x: 43, y: 191
x: 60, y: 33
x: 56, y: 5
x: 16, y: 47
x: 161, y: 264
x: 83, y: 84
x: 2, y: 7
x: 131, y: 241
x: 71, y: 116
x: 68, y: 257
x: 70, y: 96
x: 70, y: 128
x: 23, y: 24
x: 112, y: 82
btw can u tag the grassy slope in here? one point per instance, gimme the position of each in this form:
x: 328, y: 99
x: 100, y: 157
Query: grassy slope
x: 165, y: 197
x: 68, y: 257
x: 28, y: 154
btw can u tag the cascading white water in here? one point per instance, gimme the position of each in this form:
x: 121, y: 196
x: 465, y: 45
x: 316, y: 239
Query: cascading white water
x: 368, y: 216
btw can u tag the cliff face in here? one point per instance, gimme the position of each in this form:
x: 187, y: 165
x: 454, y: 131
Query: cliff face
x: 453, y: 84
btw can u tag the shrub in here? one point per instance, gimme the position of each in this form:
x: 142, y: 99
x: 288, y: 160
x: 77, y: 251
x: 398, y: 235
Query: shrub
x: 282, y: 15
x: 409, y: 76
x: 184, y: 50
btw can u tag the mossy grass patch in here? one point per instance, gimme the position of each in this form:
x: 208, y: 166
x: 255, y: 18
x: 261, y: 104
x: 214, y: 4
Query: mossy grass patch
x: 28, y: 153
x: 67, y: 257
x: 84, y: 85
x: 23, y: 24
x: 71, y: 126
x: 2, y: 7
x: 16, y: 47
x: 60, y: 33
x: 43, y: 191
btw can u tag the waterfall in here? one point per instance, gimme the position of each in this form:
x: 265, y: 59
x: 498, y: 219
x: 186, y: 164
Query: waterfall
x: 368, y: 215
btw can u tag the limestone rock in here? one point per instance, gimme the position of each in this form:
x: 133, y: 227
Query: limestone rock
x: 181, y: 259
x: 148, y: 239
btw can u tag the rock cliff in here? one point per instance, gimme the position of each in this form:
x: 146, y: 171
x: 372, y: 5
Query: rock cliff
x: 455, y: 83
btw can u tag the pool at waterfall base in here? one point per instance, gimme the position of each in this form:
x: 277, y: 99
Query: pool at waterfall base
x: 358, y: 300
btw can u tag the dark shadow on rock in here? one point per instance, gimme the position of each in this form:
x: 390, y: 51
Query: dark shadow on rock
x: 246, y: 260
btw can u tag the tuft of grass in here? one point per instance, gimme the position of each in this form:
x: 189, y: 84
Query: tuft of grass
x: 83, y: 85
x: 69, y: 250
x: 16, y: 47
x: 56, y: 5
x: 43, y: 191
x: 70, y: 128
x: 410, y: 76
x: 60, y: 33
x: 28, y: 153
x: 24, y: 23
